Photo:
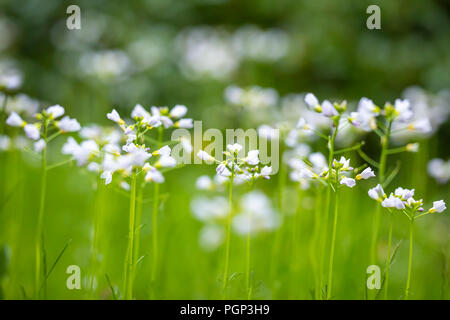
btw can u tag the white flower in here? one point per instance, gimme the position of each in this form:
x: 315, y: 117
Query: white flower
x: 107, y: 176
x: 211, y: 237
x: 80, y: 152
x: 204, y: 156
x: 311, y: 100
x: 178, y: 111
x: 210, y: 209
x: 366, y: 174
x: 438, y: 206
x: 204, y: 183
x: 114, y: 116
x: 125, y: 186
x: 32, y: 131
x: 55, y: 111
x: 5, y: 143
x: 422, y: 125
x: 93, y: 167
x: 404, y: 194
x: 184, y: 123
x: 393, y: 202
x: 39, y: 145
x: 252, y: 157
x: 68, y: 125
x: 367, y: 107
x: 328, y: 109
x: 403, y: 109
x: 222, y: 170
x: 377, y: 193
x: 439, y: 169
x: 234, y: 148
x: 14, y: 120
x: 412, y: 147
x: 186, y: 144
x: 166, y: 162
x: 138, y: 112
x: 166, y: 121
x: 345, y: 164
x: 267, y: 132
x: 266, y: 172
x: 164, y: 151
x: 301, y: 124
x: 349, y: 182
x: 154, y: 175
x: 318, y: 161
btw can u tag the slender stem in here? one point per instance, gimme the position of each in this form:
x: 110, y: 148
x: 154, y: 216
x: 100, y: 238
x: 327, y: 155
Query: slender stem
x: 40, y: 223
x: 154, y: 225
x: 94, y: 253
x: 247, y: 261
x: 131, y: 237
x: 3, y: 113
x: 388, y: 258
x: 411, y: 235
x: 381, y: 173
x: 228, y: 236
x: 314, y: 244
x: 333, y: 240
x: 331, y: 144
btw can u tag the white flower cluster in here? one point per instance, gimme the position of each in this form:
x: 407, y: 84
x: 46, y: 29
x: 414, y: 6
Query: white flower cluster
x: 246, y: 169
x: 11, y: 78
x: 317, y: 169
x: 46, y: 120
x: 439, y: 170
x: 400, y: 113
x: 102, y: 152
x: 403, y: 199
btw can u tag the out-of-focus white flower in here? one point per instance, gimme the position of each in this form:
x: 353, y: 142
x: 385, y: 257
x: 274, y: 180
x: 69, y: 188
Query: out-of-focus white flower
x: 166, y: 162
x: 21, y: 103
x: 114, y: 116
x: 252, y: 157
x: 328, y: 109
x: 32, y: 131
x: 154, y: 175
x: 412, y: 147
x: 366, y: 174
x: 377, y: 193
x: 210, y: 209
x: 39, y: 145
x: 204, y: 183
x: 267, y: 132
x: 105, y: 64
x: 107, y: 176
x: 312, y: 102
x: 80, y: 152
x: 125, y: 186
x: 438, y: 206
x: 257, y: 215
x: 349, y: 182
x: 403, y: 110
x: 14, y: 120
x: 266, y: 171
x: 211, y: 237
x: 184, y: 123
x: 5, y: 143
x: 178, y: 111
x: 422, y: 125
x: 439, y: 169
x: 10, y: 77
x: 234, y: 148
x: 204, y: 156
x: 222, y: 170
x: 55, y: 111
x: 68, y: 125
x: 186, y: 144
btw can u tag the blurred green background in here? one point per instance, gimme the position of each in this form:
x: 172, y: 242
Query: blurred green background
x: 155, y: 52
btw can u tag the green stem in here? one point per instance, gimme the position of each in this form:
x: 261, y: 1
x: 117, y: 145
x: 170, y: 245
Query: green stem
x: 40, y: 223
x: 131, y: 237
x: 411, y: 235
x: 97, y: 219
x: 381, y: 173
x: 331, y: 144
x: 154, y: 225
x: 314, y: 244
x: 333, y: 240
x: 247, y: 273
x: 228, y: 236
x: 388, y: 259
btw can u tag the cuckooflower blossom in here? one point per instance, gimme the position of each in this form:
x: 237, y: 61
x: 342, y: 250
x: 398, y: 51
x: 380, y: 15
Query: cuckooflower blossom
x: 377, y: 193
